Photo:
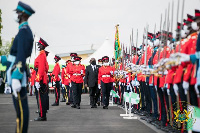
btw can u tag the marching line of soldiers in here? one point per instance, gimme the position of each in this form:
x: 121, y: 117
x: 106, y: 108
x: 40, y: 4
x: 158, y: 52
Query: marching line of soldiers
x: 165, y: 75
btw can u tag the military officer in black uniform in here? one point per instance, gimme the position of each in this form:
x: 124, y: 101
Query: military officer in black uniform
x: 16, y: 73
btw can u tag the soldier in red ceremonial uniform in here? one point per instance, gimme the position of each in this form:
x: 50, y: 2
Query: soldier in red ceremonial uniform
x: 66, y: 81
x: 56, y: 80
x: 77, y: 72
x: 105, y: 80
x: 69, y: 65
x: 41, y: 80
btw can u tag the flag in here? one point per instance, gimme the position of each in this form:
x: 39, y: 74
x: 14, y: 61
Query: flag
x: 117, y: 47
x: 131, y: 97
x: 194, y: 118
x: 114, y: 94
x: 135, y: 98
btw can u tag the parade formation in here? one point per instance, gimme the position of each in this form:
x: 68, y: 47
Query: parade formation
x: 163, y: 71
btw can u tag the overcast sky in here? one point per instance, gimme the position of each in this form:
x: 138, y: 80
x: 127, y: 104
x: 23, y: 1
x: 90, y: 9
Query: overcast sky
x: 73, y: 25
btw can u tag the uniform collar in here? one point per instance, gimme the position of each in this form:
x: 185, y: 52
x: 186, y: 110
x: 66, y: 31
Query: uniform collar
x: 22, y: 24
x: 42, y: 51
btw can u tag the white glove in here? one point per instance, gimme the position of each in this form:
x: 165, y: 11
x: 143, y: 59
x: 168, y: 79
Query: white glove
x: 111, y: 72
x: 63, y: 86
x: 165, y: 72
x: 133, y: 83
x: 119, y: 83
x: 185, y: 86
x: 54, y: 83
x: 99, y: 86
x: 185, y: 58
x: 137, y: 83
x: 156, y: 87
x: 114, y: 84
x: 166, y: 85
x: 81, y: 71
x: 160, y: 72
x: 37, y: 85
x: 16, y: 86
x: 70, y: 84
x: 175, y: 86
x: 168, y: 92
x: 196, y: 89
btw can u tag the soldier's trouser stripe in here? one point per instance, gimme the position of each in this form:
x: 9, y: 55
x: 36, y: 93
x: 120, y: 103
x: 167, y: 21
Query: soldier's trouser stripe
x: 21, y: 112
x: 56, y: 95
x: 41, y: 114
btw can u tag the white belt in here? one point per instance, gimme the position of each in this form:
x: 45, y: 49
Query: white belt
x: 11, y: 58
x: 105, y: 75
x: 76, y: 74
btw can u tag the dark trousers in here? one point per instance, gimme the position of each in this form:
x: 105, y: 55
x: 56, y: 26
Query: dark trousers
x: 138, y: 92
x: 43, y: 100
x: 67, y: 88
x: 94, y: 94
x: 193, y: 96
x: 122, y: 93
x: 183, y: 97
x: 106, y: 88
x: 162, y: 103
x: 36, y: 95
x: 154, y: 99
x: 63, y: 93
x: 71, y: 95
x: 57, y: 92
x: 47, y: 96
x: 22, y: 110
x: 142, y: 92
x: 77, y: 91
x: 148, y: 97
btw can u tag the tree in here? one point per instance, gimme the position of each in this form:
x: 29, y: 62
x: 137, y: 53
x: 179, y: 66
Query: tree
x: 1, y: 26
x: 5, y: 49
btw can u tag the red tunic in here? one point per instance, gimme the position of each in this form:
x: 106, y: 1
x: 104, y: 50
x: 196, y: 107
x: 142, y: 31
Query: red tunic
x: 75, y: 73
x: 65, y: 76
x: 190, y: 68
x: 135, y: 58
x: 105, y: 75
x: 41, y: 64
x: 56, y: 72
x: 32, y: 79
x: 180, y: 69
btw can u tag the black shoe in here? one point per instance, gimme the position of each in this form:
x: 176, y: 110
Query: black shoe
x: 143, y: 118
x: 37, y: 111
x: 98, y: 103
x: 55, y: 104
x: 73, y: 106
x: 105, y: 107
x: 95, y: 106
x: 92, y: 106
x: 68, y: 103
x: 41, y: 119
x: 77, y: 106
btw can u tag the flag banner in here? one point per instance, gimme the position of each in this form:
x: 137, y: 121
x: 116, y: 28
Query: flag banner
x: 114, y: 94
x: 117, y: 47
x: 135, y: 98
x: 126, y: 96
x: 131, y: 97
x: 194, y: 119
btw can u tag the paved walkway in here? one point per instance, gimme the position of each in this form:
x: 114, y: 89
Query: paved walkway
x: 63, y: 119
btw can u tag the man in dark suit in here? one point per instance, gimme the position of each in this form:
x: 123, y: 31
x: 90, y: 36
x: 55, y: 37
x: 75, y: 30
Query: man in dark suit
x: 91, y: 81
